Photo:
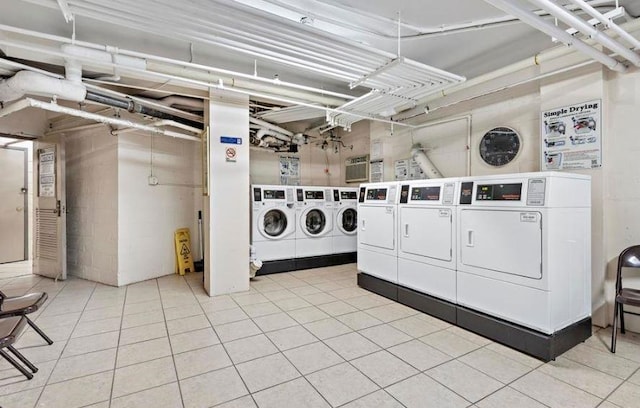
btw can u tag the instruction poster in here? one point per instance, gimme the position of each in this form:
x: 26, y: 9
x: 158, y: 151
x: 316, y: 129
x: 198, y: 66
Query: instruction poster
x: 47, y: 172
x: 571, y: 137
x: 377, y: 171
x: 289, y: 171
x: 415, y: 171
x: 402, y: 170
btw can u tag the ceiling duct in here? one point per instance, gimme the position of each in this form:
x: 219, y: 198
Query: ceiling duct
x: 32, y: 83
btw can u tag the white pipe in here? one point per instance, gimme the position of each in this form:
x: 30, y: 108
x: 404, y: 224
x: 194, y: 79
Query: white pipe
x: 181, y: 101
x: 533, y: 20
x: 579, y: 24
x: 32, y: 83
x: 424, y: 162
x: 261, y: 133
x: 73, y: 129
x: 607, y: 22
x: 271, y: 126
x: 52, y: 107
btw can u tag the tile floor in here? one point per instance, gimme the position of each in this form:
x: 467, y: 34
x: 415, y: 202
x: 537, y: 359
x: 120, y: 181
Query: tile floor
x: 303, y: 339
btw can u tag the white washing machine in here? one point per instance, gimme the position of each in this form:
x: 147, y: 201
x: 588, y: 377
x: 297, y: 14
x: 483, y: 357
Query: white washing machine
x: 524, y: 250
x: 345, y: 218
x: 427, y: 237
x: 377, y: 230
x: 314, y: 214
x: 273, y: 222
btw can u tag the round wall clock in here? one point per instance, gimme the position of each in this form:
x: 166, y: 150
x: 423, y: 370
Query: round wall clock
x: 499, y: 146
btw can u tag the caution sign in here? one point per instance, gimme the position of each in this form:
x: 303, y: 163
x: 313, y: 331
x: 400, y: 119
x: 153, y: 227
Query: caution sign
x: 183, y: 251
x: 230, y: 154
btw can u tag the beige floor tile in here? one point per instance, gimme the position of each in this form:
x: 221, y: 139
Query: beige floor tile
x: 307, y: 290
x: 274, y: 322
x: 515, y: 355
x: 607, y: 404
x: 319, y: 298
x: 635, y: 378
x: 358, y: 320
x: 324, y: 329
x: 249, y: 299
x: 553, y: 392
x: 348, y: 293
x: 24, y: 399
x: 44, y: 352
x: 308, y: 315
x: 236, y: 330
x: 279, y: 294
x: 144, y: 351
x: 164, y: 396
x: 142, y: 319
x: 328, y: 286
x: 197, y: 391
x: 193, y: 340
x: 419, y: 355
x: 313, y: 357
x: 142, y: 307
x: 242, y: 402
x: 200, y: 361
x: 96, y: 327
x: 45, y: 322
x: 227, y: 316
x: 12, y: 381
x: 472, y: 337
x: 508, y: 397
x: 291, y: 337
x: 368, y: 301
x: 337, y: 308
x: 139, y: 377
x: 142, y: 333
x: 341, y: 384
x: 101, y: 314
x: 449, y: 343
x: 266, y: 372
x: 218, y: 303
x: 182, y: 312
x: 415, y: 327
x: 385, y: 335
x: 384, y: 368
x: 627, y: 396
x: 261, y: 309
x: 603, y: 361
x: 421, y: 391
x: 587, y: 379
x: 89, y: 344
x: 352, y: 345
x: 495, y: 365
x: 250, y: 348
x: 296, y: 393
x: 78, y: 392
x: 464, y: 380
x: 82, y: 365
x: 292, y: 304
x: 187, y: 324
x: 31, y: 338
x: 378, y: 399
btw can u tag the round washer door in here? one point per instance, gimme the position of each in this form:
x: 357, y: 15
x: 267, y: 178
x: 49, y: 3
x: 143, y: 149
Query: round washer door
x: 348, y: 221
x: 314, y: 222
x: 274, y: 223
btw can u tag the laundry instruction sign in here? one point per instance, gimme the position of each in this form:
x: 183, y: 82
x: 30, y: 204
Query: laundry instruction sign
x: 571, y: 137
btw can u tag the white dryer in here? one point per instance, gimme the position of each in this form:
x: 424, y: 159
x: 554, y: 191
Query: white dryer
x: 377, y: 230
x: 273, y: 222
x: 345, y: 217
x: 427, y: 237
x: 524, y: 251
x: 314, y: 214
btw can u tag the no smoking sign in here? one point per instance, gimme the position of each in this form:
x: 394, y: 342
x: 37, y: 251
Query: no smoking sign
x: 230, y: 154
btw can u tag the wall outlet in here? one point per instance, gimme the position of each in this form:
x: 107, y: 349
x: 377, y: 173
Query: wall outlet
x: 153, y: 181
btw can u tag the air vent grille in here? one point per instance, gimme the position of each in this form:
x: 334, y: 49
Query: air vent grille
x: 357, y: 169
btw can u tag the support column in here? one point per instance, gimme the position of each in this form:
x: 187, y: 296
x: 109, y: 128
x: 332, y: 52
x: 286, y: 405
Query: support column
x: 226, y: 209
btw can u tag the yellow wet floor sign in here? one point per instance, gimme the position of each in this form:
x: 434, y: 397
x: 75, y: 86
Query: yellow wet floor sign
x: 183, y: 251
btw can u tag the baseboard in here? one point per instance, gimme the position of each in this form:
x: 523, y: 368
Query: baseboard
x: 296, y: 264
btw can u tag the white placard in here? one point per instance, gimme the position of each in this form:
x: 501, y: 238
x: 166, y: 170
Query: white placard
x: 401, y: 169
x: 377, y: 171
x: 571, y: 137
x: 47, y: 172
x: 376, y: 149
x: 415, y: 171
x: 289, y: 171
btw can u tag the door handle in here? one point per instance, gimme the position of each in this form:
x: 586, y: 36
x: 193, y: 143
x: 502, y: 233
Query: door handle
x: 406, y: 230
x: 470, y: 238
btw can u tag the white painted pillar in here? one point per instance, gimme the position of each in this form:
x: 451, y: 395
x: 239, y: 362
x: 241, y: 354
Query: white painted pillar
x: 226, y: 209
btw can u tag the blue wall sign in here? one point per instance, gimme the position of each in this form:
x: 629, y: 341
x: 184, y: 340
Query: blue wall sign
x: 231, y: 140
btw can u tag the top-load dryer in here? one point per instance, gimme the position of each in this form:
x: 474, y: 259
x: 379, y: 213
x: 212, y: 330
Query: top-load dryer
x: 273, y: 222
x: 314, y: 212
x: 345, y: 213
x: 427, y: 237
x: 524, y: 251
x: 377, y: 230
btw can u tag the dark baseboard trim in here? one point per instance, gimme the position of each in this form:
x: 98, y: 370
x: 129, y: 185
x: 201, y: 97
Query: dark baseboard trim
x: 281, y: 265
x: 288, y: 265
x: 540, y: 345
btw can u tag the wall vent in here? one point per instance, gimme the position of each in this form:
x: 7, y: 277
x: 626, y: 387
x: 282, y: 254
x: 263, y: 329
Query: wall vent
x: 357, y: 169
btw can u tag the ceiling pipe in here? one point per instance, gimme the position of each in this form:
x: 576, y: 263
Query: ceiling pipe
x: 271, y: 126
x: 427, y: 166
x: 548, y: 28
x: 579, y: 24
x: 32, y: 83
x: 609, y: 23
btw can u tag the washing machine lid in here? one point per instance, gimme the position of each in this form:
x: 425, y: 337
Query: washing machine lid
x: 315, y: 222
x: 274, y: 223
x: 347, y: 220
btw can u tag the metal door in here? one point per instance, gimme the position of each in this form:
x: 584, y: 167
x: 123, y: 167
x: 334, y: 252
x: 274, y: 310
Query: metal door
x: 426, y: 232
x: 50, y: 249
x: 377, y: 226
x: 13, y: 204
x: 502, y: 241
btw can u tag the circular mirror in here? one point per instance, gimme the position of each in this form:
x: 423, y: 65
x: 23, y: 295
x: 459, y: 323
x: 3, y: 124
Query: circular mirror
x: 499, y: 146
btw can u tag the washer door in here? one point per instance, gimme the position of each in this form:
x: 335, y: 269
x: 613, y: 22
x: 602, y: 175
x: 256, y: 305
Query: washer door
x: 274, y: 223
x: 315, y: 222
x: 348, y: 221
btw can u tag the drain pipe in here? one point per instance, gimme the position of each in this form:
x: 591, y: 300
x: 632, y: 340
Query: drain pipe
x: 418, y: 154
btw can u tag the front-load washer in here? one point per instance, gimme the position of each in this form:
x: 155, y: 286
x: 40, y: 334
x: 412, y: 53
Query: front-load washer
x: 377, y: 230
x: 524, y: 250
x: 427, y: 237
x: 273, y: 222
x: 314, y: 214
x: 345, y: 217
